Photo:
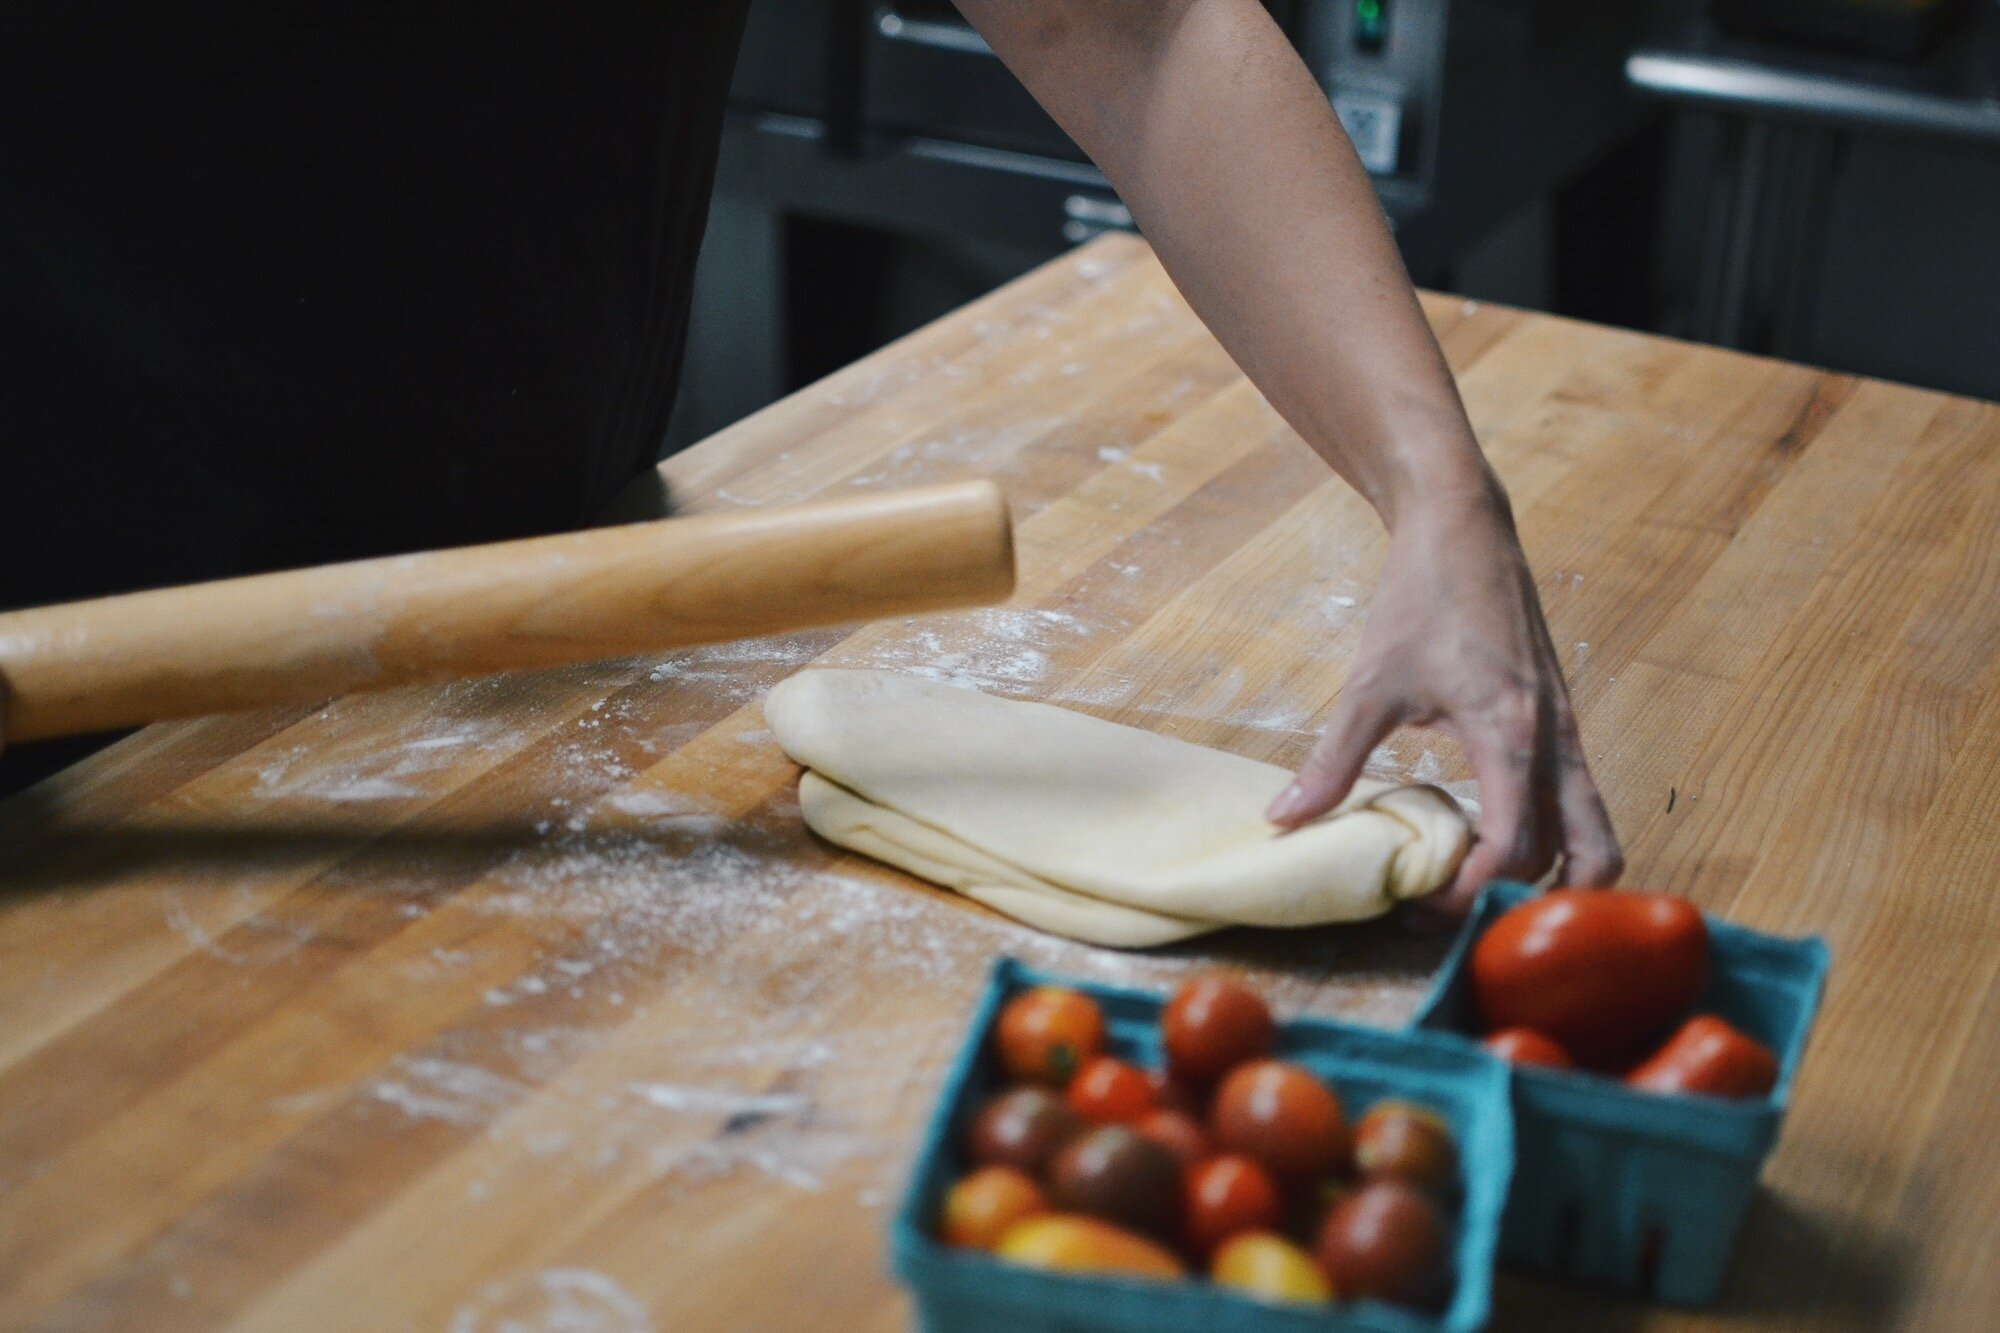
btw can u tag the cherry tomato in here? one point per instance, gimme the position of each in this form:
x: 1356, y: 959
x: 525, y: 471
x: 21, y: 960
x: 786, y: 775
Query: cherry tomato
x: 1525, y: 1046
x: 1710, y: 1057
x: 1110, y: 1092
x: 1118, y: 1175
x: 1604, y: 972
x: 1213, y: 1024
x: 979, y: 1209
x: 1176, y: 1131
x: 1084, y: 1245
x: 1282, y: 1116
x: 1401, y: 1141
x: 1047, y: 1033
x: 1270, y: 1268
x: 1223, y: 1196
x: 1174, y: 1095
x: 1023, y: 1128
x: 1386, y: 1241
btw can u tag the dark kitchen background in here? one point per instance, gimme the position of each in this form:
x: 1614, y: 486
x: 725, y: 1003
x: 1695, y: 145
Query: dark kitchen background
x: 1816, y: 179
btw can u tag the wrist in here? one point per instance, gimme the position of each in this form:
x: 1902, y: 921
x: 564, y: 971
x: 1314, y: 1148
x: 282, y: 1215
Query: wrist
x: 1446, y: 494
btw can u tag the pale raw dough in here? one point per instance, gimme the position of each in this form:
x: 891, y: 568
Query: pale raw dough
x: 1089, y: 829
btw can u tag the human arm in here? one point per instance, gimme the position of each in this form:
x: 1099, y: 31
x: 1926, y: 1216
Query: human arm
x: 1215, y: 135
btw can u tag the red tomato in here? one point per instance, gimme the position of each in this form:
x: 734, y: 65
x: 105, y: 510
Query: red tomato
x: 1525, y: 1046
x: 1282, y: 1116
x: 1402, y: 1141
x: 980, y: 1208
x: 1212, y: 1025
x: 1604, y: 972
x: 1046, y: 1034
x: 1176, y: 1131
x: 1110, y: 1092
x: 1710, y: 1057
x: 1386, y: 1241
x: 1223, y: 1196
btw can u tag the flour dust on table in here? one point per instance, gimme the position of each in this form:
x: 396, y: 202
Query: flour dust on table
x: 1082, y: 827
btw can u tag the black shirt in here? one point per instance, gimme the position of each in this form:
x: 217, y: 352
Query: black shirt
x: 282, y: 284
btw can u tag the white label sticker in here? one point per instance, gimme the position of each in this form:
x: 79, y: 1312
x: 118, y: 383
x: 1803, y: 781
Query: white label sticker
x: 1375, y: 124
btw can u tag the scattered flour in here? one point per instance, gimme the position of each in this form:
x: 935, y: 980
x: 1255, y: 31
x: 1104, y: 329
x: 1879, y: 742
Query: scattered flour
x: 555, y: 1300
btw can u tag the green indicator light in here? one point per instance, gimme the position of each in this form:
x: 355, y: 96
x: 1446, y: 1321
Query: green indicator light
x: 1371, y: 24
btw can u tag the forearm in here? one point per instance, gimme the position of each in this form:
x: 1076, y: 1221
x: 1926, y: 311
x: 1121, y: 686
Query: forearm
x: 1227, y: 152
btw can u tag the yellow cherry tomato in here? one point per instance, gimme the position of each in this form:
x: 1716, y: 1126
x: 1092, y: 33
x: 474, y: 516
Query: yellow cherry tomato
x: 1068, y: 1243
x: 1270, y: 1268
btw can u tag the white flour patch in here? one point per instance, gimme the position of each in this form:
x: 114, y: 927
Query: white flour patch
x: 256, y: 940
x: 430, y: 1088
x: 555, y: 1300
x: 991, y: 649
x: 719, y: 1101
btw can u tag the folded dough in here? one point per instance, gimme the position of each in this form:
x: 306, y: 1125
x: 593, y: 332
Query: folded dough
x: 1079, y: 826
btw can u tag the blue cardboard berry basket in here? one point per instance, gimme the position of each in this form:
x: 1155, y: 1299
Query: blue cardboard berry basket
x: 1638, y: 1192
x: 960, y: 1291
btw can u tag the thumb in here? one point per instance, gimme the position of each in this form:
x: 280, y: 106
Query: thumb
x: 1329, y: 772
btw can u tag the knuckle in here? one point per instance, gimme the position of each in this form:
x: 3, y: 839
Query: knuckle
x: 1517, y: 718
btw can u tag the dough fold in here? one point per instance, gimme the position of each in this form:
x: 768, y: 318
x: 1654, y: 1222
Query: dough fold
x: 1086, y: 828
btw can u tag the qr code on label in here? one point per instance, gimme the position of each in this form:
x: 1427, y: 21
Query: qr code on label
x: 1375, y: 125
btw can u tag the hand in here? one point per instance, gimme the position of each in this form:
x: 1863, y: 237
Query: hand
x: 1455, y: 638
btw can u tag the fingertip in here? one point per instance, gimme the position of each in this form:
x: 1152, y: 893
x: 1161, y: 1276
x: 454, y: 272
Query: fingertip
x: 1293, y: 805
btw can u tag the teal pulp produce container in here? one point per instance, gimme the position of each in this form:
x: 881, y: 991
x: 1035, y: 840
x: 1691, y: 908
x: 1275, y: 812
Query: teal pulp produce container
x: 1643, y: 1193
x: 960, y: 1291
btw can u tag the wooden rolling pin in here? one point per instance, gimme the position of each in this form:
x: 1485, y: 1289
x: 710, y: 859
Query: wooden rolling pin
x: 547, y: 601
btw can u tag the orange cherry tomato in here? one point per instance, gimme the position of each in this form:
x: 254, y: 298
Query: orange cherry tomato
x: 1072, y: 1244
x: 1270, y: 1268
x: 1602, y: 971
x: 1110, y: 1092
x: 1401, y: 1141
x: 1176, y: 1131
x: 1046, y: 1034
x: 1213, y: 1024
x: 1282, y: 1116
x: 1386, y: 1241
x: 1525, y: 1046
x: 1710, y: 1057
x: 1223, y: 1196
x: 979, y: 1209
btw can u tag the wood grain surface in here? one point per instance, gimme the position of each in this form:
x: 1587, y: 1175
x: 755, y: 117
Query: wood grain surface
x: 529, y: 1003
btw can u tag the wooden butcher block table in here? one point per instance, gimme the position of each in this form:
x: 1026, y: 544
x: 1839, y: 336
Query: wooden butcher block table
x: 531, y: 1000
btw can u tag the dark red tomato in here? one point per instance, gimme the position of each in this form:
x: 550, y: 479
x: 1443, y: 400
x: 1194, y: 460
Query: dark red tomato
x: 1110, y: 1092
x: 1118, y: 1175
x: 1046, y: 1034
x: 1023, y: 1128
x: 1224, y: 1197
x: 1174, y: 1095
x: 1401, y: 1141
x: 1710, y: 1057
x: 1386, y: 1241
x: 1213, y: 1024
x: 1602, y: 971
x: 1525, y: 1046
x: 1282, y: 1116
x: 1176, y: 1131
